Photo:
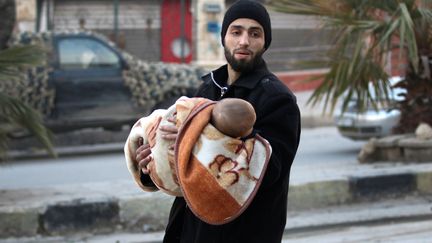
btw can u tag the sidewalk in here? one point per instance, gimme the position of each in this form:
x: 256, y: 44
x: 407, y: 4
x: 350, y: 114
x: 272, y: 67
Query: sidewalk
x: 318, y: 192
x: 317, y: 199
x: 300, y: 224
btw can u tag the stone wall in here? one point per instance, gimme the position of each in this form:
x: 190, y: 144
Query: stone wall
x: 399, y: 148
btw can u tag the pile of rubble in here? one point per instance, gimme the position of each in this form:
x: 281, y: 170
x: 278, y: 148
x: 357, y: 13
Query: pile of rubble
x: 30, y: 85
x: 149, y: 82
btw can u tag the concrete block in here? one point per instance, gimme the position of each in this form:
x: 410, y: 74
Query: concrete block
x: 378, y: 186
x: 145, y: 213
x: 415, y: 143
x: 318, y: 194
x: 388, y: 148
x: 391, y: 141
x: 424, y: 182
x: 20, y: 223
x: 417, y: 154
x: 416, y: 149
x: 391, y: 154
x: 76, y: 216
x: 369, y: 152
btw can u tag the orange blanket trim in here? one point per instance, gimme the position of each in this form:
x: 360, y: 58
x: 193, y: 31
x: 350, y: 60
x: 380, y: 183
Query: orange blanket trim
x: 207, y: 199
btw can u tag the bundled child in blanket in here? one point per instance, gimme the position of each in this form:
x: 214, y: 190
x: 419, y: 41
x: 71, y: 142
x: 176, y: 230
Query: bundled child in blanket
x: 209, y: 145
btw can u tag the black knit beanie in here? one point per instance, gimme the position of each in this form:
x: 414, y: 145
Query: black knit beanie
x: 250, y: 10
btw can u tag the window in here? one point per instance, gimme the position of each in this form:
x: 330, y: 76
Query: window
x: 81, y: 53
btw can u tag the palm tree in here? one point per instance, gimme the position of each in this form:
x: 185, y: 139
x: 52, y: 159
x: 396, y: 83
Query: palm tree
x: 13, y: 112
x: 13, y: 64
x: 366, y: 32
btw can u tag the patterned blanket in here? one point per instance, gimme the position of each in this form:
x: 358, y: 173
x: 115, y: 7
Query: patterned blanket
x: 216, y: 174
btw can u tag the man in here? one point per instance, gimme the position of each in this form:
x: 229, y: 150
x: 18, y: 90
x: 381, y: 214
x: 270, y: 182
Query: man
x: 246, y: 35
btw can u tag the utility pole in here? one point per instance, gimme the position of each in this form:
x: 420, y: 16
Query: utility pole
x: 116, y: 12
x: 182, y: 30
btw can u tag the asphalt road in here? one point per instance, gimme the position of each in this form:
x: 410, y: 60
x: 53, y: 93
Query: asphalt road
x: 404, y: 232
x: 319, y: 145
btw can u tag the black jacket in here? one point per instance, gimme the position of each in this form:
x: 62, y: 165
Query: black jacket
x: 278, y: 120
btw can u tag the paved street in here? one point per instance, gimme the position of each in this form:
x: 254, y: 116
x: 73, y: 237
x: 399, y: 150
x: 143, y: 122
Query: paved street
x: 70, y: 170
x: 406, y: 232
x: 318, y: 145
x: 321, y: 179
x: 326, y: 145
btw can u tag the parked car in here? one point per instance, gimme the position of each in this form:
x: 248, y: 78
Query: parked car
x: 89, y: 82
x: 371, y: 122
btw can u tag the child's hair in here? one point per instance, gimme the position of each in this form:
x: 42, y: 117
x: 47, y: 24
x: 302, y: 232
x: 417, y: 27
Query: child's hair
x: 233, y: 117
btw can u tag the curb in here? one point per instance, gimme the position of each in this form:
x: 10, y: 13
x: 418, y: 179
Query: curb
x: 67, y: 151
x: 355, y: 189
x: 83, y: 216
x: 137, y: 213
x: 411, y: 209
x: 387, y: 211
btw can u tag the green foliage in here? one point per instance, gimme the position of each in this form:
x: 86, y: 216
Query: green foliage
x: 14, y: 114
x: 16, y: 58
x: 366, y: 31
x: 31, y: 86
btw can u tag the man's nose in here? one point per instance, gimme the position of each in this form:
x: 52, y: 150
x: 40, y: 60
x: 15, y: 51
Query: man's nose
x: 244, y: 40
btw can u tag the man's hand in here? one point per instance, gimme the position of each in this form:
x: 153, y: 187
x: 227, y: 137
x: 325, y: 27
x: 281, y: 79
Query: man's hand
x: 169, y: 132
x: 143, y: 153
x: 143, y: 157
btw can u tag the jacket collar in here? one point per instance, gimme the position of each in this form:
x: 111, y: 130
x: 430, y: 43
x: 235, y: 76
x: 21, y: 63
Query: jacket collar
x: 248, y: 80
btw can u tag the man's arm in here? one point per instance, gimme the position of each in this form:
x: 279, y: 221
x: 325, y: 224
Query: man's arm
x: 279, y: 123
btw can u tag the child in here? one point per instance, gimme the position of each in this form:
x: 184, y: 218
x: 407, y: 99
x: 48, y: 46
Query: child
x: 233, y: 117
x: 213, y: 142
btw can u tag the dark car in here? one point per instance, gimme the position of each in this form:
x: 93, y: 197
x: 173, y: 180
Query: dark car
x: 88, y: 82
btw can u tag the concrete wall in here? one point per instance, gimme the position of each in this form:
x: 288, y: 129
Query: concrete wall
x: 209, y: 51
x: 138, y: 22
x: 294, y: 37
x: 26, y: 15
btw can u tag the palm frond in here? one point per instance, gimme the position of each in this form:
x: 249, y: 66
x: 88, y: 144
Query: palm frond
x: 14, y: 114
x: 18, y: 57
x: 367, y: 30
x: 409, y: 36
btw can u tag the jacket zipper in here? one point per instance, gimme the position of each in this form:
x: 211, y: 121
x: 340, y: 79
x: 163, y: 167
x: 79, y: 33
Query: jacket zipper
x: 222, y: 89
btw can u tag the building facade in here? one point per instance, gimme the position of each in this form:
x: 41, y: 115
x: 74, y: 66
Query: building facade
x: 174, y: 30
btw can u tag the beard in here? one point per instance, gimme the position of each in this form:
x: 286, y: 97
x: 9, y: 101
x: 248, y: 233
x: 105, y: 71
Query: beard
x: 243, y: 66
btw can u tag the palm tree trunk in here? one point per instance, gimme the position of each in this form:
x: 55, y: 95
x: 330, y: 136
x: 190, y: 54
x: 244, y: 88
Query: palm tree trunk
x: 417, y: 107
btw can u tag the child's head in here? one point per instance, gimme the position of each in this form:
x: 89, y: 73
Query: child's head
x: 233, y: 117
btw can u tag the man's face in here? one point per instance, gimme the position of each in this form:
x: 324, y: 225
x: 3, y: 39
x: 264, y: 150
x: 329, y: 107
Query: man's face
x: 244, y: 44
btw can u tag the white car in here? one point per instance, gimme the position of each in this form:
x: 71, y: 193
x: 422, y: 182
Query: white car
x: 371, y: 123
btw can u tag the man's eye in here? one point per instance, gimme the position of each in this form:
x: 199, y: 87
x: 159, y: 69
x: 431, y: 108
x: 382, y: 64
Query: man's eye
x: 255, y: 34
x: 235, y: 33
